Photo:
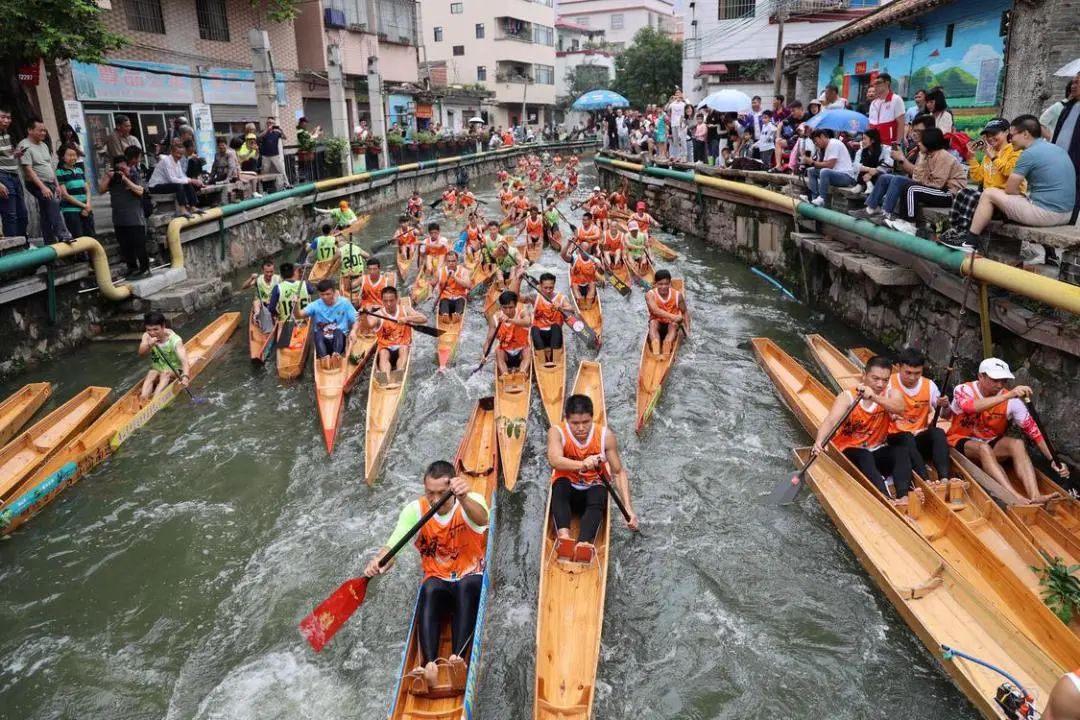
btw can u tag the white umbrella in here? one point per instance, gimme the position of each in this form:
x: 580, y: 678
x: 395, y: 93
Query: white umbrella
x: 1069, y: 69
x: 477, y: 119
x: 727, y: 101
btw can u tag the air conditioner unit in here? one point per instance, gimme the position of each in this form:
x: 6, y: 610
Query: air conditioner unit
x: 334, y: 18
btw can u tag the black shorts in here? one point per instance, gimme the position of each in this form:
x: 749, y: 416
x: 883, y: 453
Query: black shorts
x: 964, y: 441
x: 547, y: 338
x: 583, y: 290
x: 506, y: 274
x: 451, y: 306
x: 394, y: 353
x: 513, y: 360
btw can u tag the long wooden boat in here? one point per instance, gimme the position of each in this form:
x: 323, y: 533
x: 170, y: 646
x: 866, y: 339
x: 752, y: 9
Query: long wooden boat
x: 936, y: 602
x: 383, y: 408
x: 1065, y: 509
x: 643, y: 270
x: 330, y: 386
x: 1046, y: 533
x: 446, y: 345
x: 512, y: 394
x: 360, y: 352
x: 976, y: 540
x: 532, y: 252
x: 570, y: 607
x: 357, y: 225
x: 29, y: 450
x: 652, y: 371
x: 593, y: 315
x: 18, y: 408
x: 622, y: 271
x: 551, y: 382
x: 404, y: 264
x: 661, y: 249
x: 322, y: 269
x: 477, y: 460
x: 106, y: 434
x: 260, y: 344
x: 293, y: 351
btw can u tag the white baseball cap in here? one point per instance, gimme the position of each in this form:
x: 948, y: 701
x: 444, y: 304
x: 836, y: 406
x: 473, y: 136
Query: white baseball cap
x: 995, y: 369
x: 596, y: 189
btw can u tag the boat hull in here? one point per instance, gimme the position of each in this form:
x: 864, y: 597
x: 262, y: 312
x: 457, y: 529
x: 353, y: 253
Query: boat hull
x: 512, y: 419
x: 18, y: 408
x: 293, y: 351
x: 551, y: 382
x: 652, y: 371
x: 383, y: 408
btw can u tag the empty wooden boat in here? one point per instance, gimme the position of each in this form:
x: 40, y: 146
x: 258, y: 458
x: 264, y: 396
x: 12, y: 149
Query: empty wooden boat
x: 383, y: 407
x: 323, y: 269
x: 551, y: 382
x: 446, y: 344
x: 26, y: 453
x: 661, y: 249
x: 19, y: 407
x: 570, y: 608
x: 653, y: 370
x: 512, y: 394
x: 1046, y: 533
x: 106, y: 434
x: 592, y: 314
x: 477, y: 460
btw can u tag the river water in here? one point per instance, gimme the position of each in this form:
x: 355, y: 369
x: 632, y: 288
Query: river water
x: 169, y: 583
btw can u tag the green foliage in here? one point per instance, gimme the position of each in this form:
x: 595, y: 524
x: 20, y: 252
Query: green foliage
x: 336, y: 150
x: 279, y: 10
x: 69, y: 29
x: 1060, y: 587
x: 650, y: 69
x: 425, y: 136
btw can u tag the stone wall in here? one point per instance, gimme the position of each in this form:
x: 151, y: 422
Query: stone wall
x: 1043, y: 36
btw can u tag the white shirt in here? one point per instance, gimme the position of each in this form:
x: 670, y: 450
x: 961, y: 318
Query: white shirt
x: 678, y: 113
x: 835, y: 150
x: 767, y: 138
x: 168, y: 172
x: 837, y: 104
x: 886, y: 110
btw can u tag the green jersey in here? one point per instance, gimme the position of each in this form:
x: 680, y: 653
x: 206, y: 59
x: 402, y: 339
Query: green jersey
x: 164, y: 355
x: 551, y: 217
x: 325, y: 247
x: 263, y: 288
x: 344, y: 218
x: 635, y: 246
x: 288, y: 293
x: 352, y: 259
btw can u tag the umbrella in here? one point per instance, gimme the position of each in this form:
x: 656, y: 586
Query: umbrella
x: 727, y: 101
x: 599, y: 99
x: 845, y: 120
x: 1069, y: 69
x: 477, y: 119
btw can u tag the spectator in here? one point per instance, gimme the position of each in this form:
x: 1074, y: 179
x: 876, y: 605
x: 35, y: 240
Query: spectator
x: 801, y: 150
x: 610, y: 128
x: 305, y: 138
x: 871, y: 95
x: 919, y: 108
x: 833, y: 167
x: 935, y: 180
x: 192, y: 164
x: 676, y: 114
x: 121, y: 138
x: 164, y: 143
x: 13, y: 217
x: 689, y: 122
x: 999, y: 159
x: 831, y: 100
x: 1050, y: 115
x: 660, y: 136
x: 36, y: 161
x: 919, y: 125
x: 812, y: 108
x: 270, y: 147
x: 622, y: 129
x: 168, y: 177
x: 68, y: 136
x: 753, y: 118
x: 871, y: 159
x: 226, y: 167
x: 779, y: 111
x: 701, y: 139
x: 75, y: 205
x: 887, y: 111
x: 495, y: 142
x: 1051, y: 185
x: 129, y: 220
x: 766, y: 143
x: 796, y: 117
x: 248, y: 154
x: 1066, y: 137
x: 939, y: 109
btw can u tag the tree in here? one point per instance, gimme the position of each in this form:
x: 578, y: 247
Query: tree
x: 650, y: 69
x: 583, y: 78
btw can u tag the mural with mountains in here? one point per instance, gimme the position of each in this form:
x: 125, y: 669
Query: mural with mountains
x: 955, y: 47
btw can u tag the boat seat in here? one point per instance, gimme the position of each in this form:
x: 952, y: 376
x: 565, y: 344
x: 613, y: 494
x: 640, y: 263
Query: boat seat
x: 450, y: 714
x: 976, y: 523
x: 478, y: 473
x: 563, y: 710
x: 923, y: 589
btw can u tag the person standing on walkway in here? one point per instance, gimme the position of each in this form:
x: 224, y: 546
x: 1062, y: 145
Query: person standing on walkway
x: 676, y: 109
x: 36, y: 161
x: 270, y: 146
x: 121, y: 138
x: 75, y: 206
x: 12, y: 208
x: 129, y: 220
x: 887, y: 113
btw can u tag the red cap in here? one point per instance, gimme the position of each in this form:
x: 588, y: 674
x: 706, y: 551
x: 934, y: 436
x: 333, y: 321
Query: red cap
x: 640, y: 205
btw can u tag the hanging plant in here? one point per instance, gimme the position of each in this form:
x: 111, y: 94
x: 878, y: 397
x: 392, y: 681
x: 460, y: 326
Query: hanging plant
x: 1060, y: 587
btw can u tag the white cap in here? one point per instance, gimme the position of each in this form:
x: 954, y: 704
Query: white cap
x: 596, y: 189
x: 632, y: 225
x: 995, y: 369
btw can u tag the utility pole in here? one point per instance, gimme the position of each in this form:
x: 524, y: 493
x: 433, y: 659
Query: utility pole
x: 265, y: 84
x: 374, y: 83
x: 425, y: 73
x: 339, y: 117
x: 780, y: 11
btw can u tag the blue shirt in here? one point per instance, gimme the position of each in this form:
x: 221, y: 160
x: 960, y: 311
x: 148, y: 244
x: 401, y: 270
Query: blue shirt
x: 1050, y: 175
x: 341, y: 315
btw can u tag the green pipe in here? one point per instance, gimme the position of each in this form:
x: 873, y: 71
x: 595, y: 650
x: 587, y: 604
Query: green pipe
x: 27, y: 259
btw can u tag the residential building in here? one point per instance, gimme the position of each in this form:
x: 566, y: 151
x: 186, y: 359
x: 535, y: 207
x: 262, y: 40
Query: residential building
x: 581, y: 54
x: 507, y: 47
x: 620, y: 19
x: 455, y: 105
x: 733, y: 43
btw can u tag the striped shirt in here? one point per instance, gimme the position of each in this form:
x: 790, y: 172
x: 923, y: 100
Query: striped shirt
x: 74, y: 182
x: 8, y: 163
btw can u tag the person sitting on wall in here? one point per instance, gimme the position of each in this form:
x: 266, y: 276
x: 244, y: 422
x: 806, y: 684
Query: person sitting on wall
x: 935, y: 181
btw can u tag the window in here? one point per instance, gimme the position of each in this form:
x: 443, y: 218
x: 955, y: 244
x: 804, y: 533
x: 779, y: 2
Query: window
x: 355, y: 11
x: 543, y: 35
x: 479, y: 31
x: 145, y: 16
x: 544, y: 74
x: 949, y: 29
x: 840, y: 57
x: 616, y: 21
x: 888, y: 47
x: 731, y: 9
x: 438, y: 34
x: 213, y: 22
x: 481, y: 73
x: 457, y: 8
x: 575, y: 44
x: 459, y: 49
x: 397, y: 21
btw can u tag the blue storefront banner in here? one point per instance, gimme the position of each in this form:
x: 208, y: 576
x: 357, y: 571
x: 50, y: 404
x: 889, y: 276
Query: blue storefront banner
x: 238, y: 89
x: 132, y: 83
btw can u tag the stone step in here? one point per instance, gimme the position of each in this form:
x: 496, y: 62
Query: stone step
x: 125, y: 323
x: 189, y: 296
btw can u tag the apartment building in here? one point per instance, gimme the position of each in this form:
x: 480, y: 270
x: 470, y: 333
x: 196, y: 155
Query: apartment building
x: 621, y: 19
x: 581, y: 53
x: 507, y: 47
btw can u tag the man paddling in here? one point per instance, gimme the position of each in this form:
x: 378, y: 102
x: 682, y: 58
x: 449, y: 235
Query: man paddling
x: 264, y: 284
x: 415, y: 206
x: 634, y: 244
x: 289, y: 291
x: 583, y: 267
x: 405, y: 238
x: 452, y: 547
x: 911, y: 428
x: 534, y: 229
x: 167, y: 355
x: 579, y: 450
x: 353, y: 260
x: 342, y: 215
x: 547, y: 318
x: 983, y: 411
x: 371, y: 287
x: 511, y: 324
x: 324, y: 246
x: 863, y: 436
x: 434, y: 249
x: 452, y: 285
x: 667, y: 315
x: 335, y: 324
x: 394, y: 336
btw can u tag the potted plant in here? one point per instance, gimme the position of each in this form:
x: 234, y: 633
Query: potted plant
x: 359, y: 147
x: 425, y: 138
x: 374, y: 144
x: 305, y: 150
x: 336, y: 148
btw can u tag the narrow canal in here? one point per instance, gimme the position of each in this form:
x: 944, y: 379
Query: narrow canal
x: 169, y: 583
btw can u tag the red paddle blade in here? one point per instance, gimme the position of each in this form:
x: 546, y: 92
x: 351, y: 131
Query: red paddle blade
x: 327, y: 619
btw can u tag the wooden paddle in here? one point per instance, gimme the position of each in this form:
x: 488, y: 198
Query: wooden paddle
x: 954, y: 356
x: 609, y: 276
x: 1054, y: 457
x: 333, y: 612
x: 161, y: 356
x: 786, y: 491
x: 579, y: 326
x: 614, y: 493
x: 425, y: 329
x: 487, y: 350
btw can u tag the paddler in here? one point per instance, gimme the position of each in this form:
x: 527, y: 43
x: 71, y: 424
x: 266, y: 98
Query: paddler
x: 511, y: 324
x: 466, y: 199
x: 290, y: 291
x: 668, y: 314
x: 983, y: 409
x: 434, y: 249
x: 452, y: 548
x: 394, y: 337
x: 643, y: 219
x: 415, y: 207
x: 618, y: 201
x: 405, y: 238
x: 264, y: 284
x: 559, y: 187
x: 551, y: 223
x: 352, y: 263
x: 325, y: 246
x: 534, y: 229
x: 167, y: 355
x: 520, y: 206
x: 334, y: 318
x: 911, y: 429
x: 342, y: 215
x: 572, y: 177
x: 613, y: 245
x: 863, y: 438
x: 588, y: 234
x: 634, y: 245
x: 509, y: 263
x: 371, y: 288
x: 449, y: 198
x: 579, y: 451
x: 506, y: 198
x: 452, y: 285
x: 549, y: 314
x: 583, y: 267
x: 557, y: 161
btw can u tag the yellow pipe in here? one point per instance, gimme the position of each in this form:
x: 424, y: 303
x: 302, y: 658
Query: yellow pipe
x: 177, y: 225
x: 99, y: 260
x: 338, y: 182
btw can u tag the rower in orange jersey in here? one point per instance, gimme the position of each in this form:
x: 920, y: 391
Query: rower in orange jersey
x: 643, y: 219
x: 668, y: 314
x: 589, y: 234
x: 466, y: 200
x: 415, y: 206
x: 449, y: 198
x: 502, y: 176
x: 550, y: 310
x: 534, y: 229
x: 618, y: 201
x: 572, y: 178
x: 559, y: 187
x: 583, y: 268
x: 506, y: 198
x: 371, y: 287
x: 521, y: 206
x: 557, y: 161
x: 511, y: 324
x: 434, y: 249
x: 393, y: 336
x: 612, y: 247
x: 452, y: 285
x: 405, y: 238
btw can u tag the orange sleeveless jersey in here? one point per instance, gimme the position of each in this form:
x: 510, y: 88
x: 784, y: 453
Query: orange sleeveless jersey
x: 450, y: 551
x: 512, y: 337
x: 613, y: 242
x: 987, y: 425
x: 452, y: 289
x: 521, y: 203
x: 588, y: 235
x: 392, y: 334
x: 438, y: 249
x: 916, y: 416
x: 863, y: 428
x: 583, y: 271
x: 642, y: 221
x: 466, y: 200
x: 506, y: 197
x: 472, y: 233
x: 546, y: 312
x: 670, y: 304
x: 371, y: 292
x: 595, y: 444
x: 405, y: 238
x: 534, y: 229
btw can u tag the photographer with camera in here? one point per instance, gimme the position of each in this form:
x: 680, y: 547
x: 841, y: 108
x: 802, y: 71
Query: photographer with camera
x: 129, y: 221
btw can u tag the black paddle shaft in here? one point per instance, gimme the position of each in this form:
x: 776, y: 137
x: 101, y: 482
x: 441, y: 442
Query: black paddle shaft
x: 614, y: 493
x: 954, y: 356
x: 385, y: 559
x: 161, y: 356
x: 487, y: 350
x: 1042, y: 429
x: 788, y: 489
x: 434, y: 332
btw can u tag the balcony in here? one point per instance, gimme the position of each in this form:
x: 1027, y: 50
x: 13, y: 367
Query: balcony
x: 826, y: 10
x: 509, y: 28
x: 518, y: 73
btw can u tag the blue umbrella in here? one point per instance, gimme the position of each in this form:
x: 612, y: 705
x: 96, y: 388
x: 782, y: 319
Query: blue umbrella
x: 599, y: 100
x: 726, y: 101
x: 840, y: 120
